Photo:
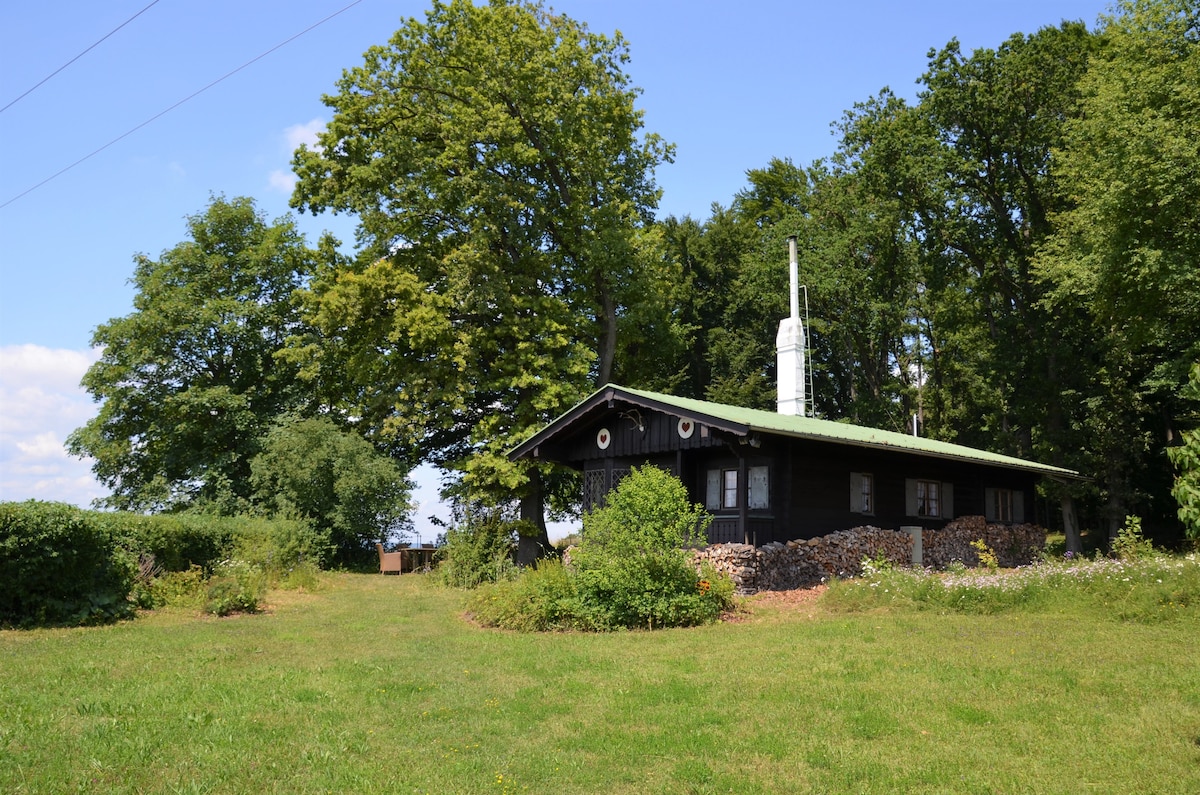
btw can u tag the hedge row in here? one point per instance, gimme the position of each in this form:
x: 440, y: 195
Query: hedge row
x: 61, y: 565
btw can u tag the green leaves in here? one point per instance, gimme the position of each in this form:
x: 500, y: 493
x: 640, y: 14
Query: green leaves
x: 1186, y: 458
x: 311, y: 469
x: 495, y: 159
x: 189, y: 380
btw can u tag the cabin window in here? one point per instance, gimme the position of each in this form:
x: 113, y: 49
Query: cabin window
x: 595, y: 486
x: 862, y: 492
x: 1004, y: 505
x: 729, y: 488
x: 929, y: 499
x: 723, y: 489
x: 759, y: 498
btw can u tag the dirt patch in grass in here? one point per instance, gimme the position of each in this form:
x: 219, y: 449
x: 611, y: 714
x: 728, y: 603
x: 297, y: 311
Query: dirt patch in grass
x: 799, y: 599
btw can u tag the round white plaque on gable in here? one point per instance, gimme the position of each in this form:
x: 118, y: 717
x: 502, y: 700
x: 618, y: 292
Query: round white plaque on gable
x: 686, y: 428
x: 603, y: 438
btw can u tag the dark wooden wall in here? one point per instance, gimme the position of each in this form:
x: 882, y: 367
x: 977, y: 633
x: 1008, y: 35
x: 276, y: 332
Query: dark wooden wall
x: 810, y: 480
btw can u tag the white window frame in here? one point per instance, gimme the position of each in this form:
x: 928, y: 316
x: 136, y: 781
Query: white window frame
x: 862, y: 493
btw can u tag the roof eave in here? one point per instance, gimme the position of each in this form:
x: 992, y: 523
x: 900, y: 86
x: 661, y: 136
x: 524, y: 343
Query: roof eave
x: 608, y: 395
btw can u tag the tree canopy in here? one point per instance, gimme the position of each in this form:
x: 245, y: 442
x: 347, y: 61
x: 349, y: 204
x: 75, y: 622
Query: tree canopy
x: 1011, y: 258
x: 311, y: 469
x: 1008, y: 262
x: 494, y: 157
x: 189, y: 381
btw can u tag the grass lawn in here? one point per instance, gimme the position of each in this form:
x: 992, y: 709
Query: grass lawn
x: 376, y: 684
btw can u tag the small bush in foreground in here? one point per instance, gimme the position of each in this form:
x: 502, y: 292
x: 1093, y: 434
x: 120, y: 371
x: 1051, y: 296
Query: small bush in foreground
x: 235, y: 587
x: 543, y: 598
x: 1130, y: 544
x: 632, y: 569
x: 180, y: 589
x: 478, y: 550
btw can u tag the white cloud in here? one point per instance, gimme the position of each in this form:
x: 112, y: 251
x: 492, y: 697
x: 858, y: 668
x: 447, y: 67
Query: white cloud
x: 41, y: 402
x: 282, y: 181
x: 306, y: 133
x: 303, y: 134
x: 44, y: 445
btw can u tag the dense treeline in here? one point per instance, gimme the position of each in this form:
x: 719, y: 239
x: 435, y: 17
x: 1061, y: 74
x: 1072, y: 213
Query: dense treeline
x: 1009, y: 262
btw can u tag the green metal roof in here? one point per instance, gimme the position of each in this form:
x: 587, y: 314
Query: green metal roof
x: 769, y: 422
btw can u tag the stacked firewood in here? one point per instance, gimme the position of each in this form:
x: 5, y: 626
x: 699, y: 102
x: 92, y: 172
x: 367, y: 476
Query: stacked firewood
x: 739, y: 561
x: 802, y: 564
x: 1013, y: 545
x: 807, y: 562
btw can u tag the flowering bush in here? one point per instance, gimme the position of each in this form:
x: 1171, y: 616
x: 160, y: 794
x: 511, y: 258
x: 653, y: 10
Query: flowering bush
x: 235, y: 587
x: 1146, y: 589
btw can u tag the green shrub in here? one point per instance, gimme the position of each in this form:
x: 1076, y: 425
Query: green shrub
x: 63, y: 565
x: 1130, y: 544
x: 481, y: 549
x: 987, y: 556
x: 180, y: 589
x: 632, y: 568
x: 279, y: 547
x: 541, y: 599
x: 176, y: 541
x: 59, y: 565
x: 235, y: 587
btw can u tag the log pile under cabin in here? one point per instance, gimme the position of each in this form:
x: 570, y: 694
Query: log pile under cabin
x: 808, y: 562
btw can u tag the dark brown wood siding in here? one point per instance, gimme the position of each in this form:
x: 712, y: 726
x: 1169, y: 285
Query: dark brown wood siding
x: 809, y: 480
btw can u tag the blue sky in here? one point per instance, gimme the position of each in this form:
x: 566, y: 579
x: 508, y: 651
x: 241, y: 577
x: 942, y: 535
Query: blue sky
x: 731, y: 84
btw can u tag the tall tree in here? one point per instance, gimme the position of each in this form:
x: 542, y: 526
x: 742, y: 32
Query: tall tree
x: 189, y: 381
x: 748, y: 242
x: 312, y: 469
x: 708, y: 258
x: 997, y: 116
x: 1126, y: 252
x: 493, y: 155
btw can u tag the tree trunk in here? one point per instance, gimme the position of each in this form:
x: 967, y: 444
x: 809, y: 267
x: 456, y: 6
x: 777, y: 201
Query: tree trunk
x: 607, y: 353
x: 1116, y: 511
x: 536, y: 545
x: 1074, y: 543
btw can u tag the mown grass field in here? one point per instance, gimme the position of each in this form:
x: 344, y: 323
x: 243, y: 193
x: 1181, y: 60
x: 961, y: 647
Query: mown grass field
x: 377, y: 684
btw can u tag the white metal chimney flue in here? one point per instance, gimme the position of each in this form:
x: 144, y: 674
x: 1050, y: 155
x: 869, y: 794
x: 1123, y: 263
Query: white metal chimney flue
x: 789, y: 347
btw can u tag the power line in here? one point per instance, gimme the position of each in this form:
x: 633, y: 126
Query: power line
x: 77, y: 57
x: 191, y: 96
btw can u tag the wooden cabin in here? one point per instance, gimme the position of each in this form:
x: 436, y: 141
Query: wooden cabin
x: 767, y: 477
